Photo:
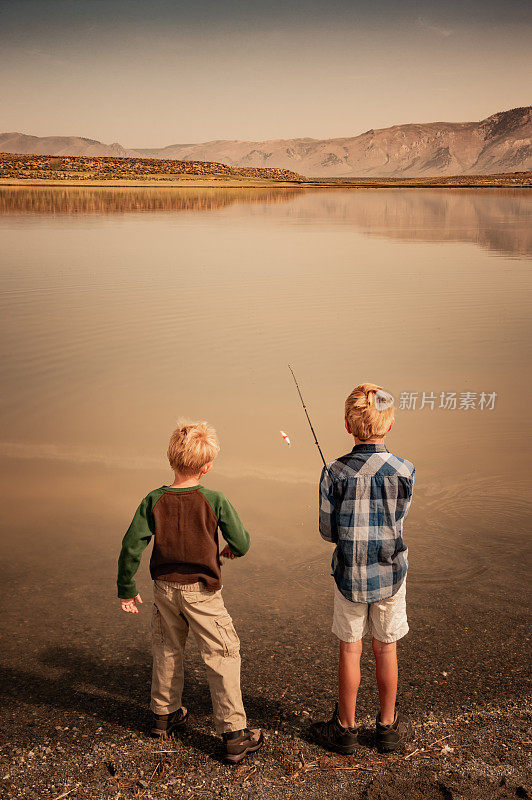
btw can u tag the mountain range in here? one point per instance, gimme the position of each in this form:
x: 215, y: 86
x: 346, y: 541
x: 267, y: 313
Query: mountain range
x: 499, y: 143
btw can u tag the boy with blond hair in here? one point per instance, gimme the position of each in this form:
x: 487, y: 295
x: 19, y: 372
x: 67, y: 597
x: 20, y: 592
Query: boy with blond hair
x: 183, y: 519
x: 365, y: 497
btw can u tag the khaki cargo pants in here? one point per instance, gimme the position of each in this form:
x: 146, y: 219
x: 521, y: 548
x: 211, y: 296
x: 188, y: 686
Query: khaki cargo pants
x: 178, y: 607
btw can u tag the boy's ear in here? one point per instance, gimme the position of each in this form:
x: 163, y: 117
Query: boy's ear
x: 206, y: 468
x: 391, y: 426
x: 348, y: 429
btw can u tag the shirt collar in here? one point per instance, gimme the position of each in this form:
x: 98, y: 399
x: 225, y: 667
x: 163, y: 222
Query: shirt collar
x: 369, y: 448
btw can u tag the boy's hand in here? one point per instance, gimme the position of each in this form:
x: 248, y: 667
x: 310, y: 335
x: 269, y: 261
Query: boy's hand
x: 226, y: 553
x: 129, y: 605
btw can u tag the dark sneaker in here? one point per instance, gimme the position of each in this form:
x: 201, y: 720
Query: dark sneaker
x: 332, y: 735
x: 393, y: 737
x: 239, y: 743
x: 164, y: 724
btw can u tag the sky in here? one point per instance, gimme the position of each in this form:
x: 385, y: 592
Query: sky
x: 150, y: 74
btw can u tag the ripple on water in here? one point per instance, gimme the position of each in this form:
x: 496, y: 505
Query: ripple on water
x: 458, y: 531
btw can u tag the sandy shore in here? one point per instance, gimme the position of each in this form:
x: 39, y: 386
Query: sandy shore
x: 515, y: 180
x: 184, y: 183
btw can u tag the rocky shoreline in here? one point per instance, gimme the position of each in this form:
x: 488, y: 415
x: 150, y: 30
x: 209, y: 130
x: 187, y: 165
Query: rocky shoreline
x: 75, y: 682
x: 74, y: 724
x: 481, y: 753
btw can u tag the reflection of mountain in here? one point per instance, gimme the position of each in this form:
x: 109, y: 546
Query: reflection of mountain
x: 498, y: 219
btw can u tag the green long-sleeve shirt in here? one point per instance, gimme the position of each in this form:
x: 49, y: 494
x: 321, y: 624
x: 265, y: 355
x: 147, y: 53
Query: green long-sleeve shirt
x: 184, y: 524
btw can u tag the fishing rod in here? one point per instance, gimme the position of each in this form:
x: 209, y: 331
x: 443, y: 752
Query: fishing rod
x: 306, y: 412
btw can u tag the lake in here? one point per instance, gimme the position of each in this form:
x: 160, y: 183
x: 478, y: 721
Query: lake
x: 124, y: 309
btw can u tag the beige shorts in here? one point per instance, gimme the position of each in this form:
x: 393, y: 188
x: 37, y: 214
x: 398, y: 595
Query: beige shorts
x: 384, y: 620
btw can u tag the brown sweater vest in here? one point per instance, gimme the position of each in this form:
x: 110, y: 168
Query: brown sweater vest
x: 185, y: 547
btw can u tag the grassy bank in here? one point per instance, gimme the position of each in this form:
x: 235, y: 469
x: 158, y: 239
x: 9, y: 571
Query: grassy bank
x: 502, y: 180
x: 193, y: 182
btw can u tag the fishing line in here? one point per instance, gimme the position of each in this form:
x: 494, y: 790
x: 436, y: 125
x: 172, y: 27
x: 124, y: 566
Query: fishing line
x: 308, y: 418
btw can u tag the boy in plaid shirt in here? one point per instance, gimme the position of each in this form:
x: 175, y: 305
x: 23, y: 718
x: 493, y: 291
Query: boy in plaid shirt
x: 365, y: 497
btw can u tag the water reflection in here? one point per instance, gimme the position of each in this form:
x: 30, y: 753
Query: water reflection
x: 90, y: 200
x: 498, y: 220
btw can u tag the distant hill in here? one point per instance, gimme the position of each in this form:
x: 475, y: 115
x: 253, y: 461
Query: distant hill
x: 59, y: 146
x: 500, y: 143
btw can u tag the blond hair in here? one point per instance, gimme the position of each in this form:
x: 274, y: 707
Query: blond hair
x: 362, y: 412
x: 192, y: 445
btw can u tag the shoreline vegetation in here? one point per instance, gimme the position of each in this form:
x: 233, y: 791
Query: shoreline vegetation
x: 108, y: 171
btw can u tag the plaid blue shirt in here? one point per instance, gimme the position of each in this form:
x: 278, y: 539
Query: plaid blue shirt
x: 365, y: 497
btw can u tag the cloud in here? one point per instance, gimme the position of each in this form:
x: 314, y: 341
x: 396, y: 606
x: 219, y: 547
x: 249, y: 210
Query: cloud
x: 427, y: 25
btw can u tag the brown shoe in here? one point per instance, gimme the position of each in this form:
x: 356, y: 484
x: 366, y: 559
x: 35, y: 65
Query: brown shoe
x: 163, y: 725
x: 239, y: 743
x: 392, y: 737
